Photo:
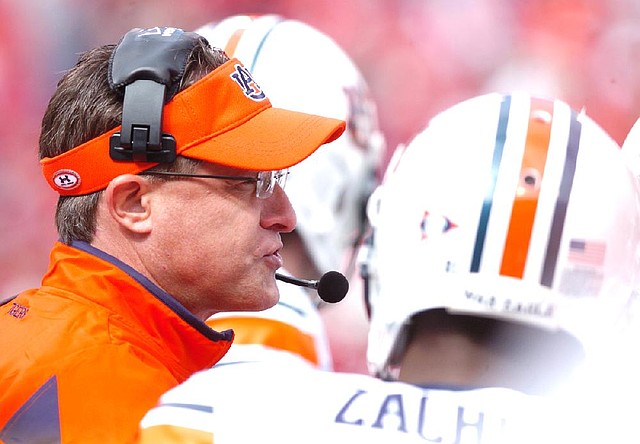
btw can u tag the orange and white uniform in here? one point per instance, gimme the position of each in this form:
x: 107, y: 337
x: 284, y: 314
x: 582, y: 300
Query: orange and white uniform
x: 286, y: 400
x: 84, y: 356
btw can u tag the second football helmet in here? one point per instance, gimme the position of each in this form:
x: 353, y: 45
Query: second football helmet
x: 305, y: 70
x: 506, y: 206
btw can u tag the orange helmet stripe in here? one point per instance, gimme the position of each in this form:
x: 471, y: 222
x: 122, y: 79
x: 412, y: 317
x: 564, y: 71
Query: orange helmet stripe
x: 525, y: 202
x: 232, y: 44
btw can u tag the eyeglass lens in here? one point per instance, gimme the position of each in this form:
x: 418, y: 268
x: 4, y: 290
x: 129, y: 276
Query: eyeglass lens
x: 267, y: 181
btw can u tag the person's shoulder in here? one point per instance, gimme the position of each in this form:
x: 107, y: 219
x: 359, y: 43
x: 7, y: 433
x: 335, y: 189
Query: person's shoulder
x: 45, y: 328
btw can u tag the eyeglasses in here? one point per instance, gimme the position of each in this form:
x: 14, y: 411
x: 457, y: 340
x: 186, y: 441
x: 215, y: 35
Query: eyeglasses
x: 265, y: 180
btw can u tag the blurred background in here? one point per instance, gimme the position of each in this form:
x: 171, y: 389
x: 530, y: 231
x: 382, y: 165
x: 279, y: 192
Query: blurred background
x: 419, y: 57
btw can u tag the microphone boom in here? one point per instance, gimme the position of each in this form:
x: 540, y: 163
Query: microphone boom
x: 332, y: 287
x: 298, y: 282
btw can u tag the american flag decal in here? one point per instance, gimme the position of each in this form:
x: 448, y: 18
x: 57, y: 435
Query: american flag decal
x: 586, y: 252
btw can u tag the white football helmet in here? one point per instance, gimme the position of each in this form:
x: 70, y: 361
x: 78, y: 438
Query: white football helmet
x: 506, y: 206
x: 303, y: 69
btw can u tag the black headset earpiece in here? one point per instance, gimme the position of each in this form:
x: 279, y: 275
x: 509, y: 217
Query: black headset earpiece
x: 146, y: 67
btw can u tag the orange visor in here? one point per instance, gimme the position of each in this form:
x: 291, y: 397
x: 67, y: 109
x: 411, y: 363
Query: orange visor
x: 224, y: 118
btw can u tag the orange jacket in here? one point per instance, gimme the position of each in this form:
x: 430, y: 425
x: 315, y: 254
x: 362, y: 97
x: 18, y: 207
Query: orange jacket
x: 88, y: 353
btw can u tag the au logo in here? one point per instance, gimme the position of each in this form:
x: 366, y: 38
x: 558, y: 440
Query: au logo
x: 251, y: 89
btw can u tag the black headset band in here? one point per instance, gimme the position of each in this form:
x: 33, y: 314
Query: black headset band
x: 147, y: 67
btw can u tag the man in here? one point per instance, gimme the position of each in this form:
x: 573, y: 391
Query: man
x: 164, y: 221
x: 329, y: 189
x: 487, y: 288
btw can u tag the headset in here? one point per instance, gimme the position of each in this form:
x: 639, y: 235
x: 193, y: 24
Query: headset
x: 146, y: 68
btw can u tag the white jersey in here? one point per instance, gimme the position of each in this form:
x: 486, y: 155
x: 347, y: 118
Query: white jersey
x: 285, y: 400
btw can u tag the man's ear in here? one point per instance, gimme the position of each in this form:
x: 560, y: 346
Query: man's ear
x: 127, y: 199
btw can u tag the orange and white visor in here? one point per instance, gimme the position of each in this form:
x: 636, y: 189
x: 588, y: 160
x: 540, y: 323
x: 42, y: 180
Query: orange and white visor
x: 225, y: 118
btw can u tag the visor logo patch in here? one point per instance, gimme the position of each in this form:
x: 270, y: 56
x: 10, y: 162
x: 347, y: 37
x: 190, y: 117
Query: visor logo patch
x: 250, y: 88
x: 66, y: 179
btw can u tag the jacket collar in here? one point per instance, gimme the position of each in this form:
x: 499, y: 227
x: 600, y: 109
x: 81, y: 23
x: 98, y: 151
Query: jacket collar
x: 158, y: 320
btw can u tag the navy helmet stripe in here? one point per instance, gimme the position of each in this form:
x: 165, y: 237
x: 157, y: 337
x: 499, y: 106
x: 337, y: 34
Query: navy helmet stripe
x: 560, y: 212
x: 501, y: 136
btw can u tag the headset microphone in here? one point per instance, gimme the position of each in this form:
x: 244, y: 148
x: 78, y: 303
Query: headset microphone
x: 332, y: 287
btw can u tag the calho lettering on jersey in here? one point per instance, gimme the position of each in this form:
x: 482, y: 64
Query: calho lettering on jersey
x: 290, y: 402
x: 443, y: 417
